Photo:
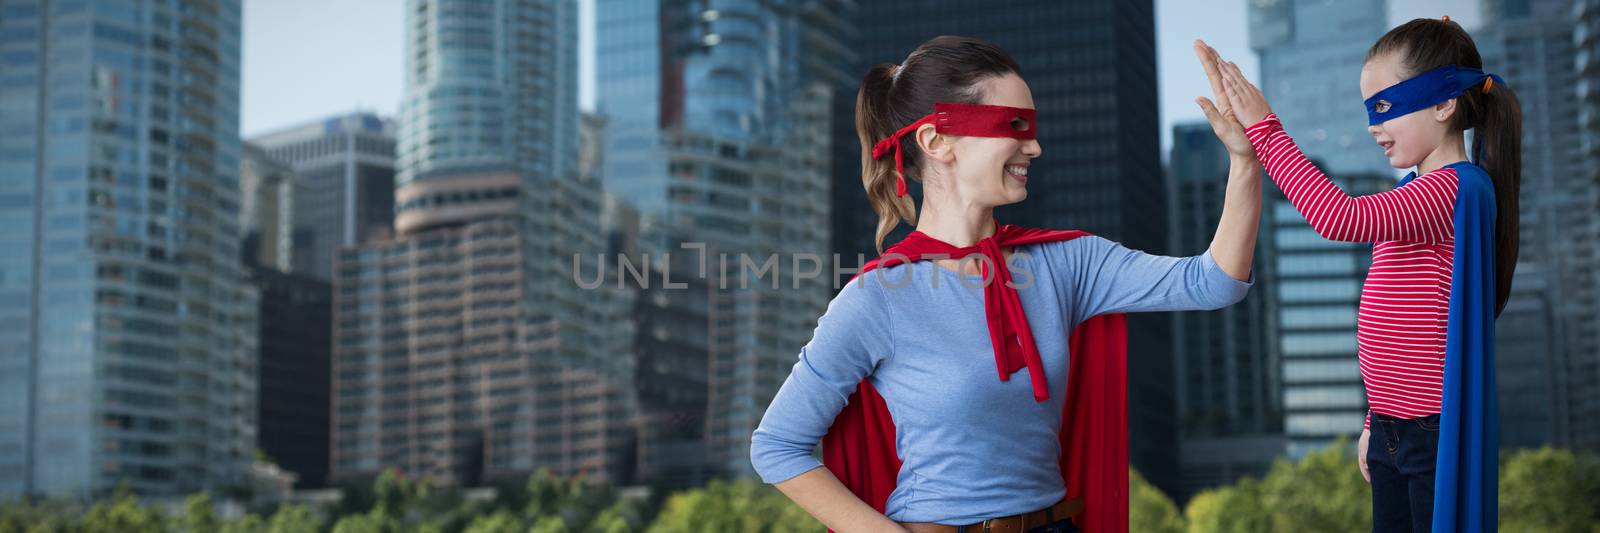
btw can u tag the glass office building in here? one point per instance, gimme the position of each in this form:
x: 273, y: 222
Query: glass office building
x: 126, y: 335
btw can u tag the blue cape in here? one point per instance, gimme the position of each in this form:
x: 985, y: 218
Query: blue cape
x: 1467, y: 478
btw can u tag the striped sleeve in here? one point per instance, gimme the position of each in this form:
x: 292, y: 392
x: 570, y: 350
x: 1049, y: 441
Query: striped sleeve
x: 1419, y: 212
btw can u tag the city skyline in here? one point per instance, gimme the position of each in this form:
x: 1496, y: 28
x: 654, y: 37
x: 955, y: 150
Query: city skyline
x: 367, y: 76
x: 491, y: 160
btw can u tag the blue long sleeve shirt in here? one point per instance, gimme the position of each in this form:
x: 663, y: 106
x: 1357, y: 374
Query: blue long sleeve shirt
x: 972, y: 447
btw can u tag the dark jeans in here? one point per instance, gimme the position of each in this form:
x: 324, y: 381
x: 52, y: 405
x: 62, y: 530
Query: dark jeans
x: 1400, y: 457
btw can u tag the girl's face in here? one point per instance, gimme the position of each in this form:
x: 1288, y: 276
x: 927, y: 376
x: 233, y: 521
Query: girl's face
x: 1410, y: 138
x: 993, y: 171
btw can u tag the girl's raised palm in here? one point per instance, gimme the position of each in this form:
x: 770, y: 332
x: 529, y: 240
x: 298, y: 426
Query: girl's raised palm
x: 1249, y: 106
x: 1223, y: 122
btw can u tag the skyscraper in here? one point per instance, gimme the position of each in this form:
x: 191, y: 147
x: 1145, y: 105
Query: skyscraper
x: 296, y: 329
x: 346, y: 167
x: 717, y: 128
x: 1228, y: 387
x: 1586, y: 40
x: 127, y: 353
x: 1091, y: 68
x: 464, y: 350
x: 268, y: 192
x: 1550, y: 357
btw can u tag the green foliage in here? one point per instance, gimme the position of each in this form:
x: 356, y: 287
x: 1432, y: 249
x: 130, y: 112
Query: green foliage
x: 732, y: 507
x: 1544, y: 490
x: 1231, y: 509
x: 502, y: 521
x: 1323, y: 491
x: 1149, y: 509
x: 1549, y: 490
x: 294, y: 519
x: 122, y: 514
x: 199, y: 516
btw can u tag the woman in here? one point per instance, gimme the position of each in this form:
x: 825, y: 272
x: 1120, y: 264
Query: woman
x: 973, y: 450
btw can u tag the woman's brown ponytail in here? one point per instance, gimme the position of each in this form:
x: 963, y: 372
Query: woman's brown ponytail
x: 878, y: 175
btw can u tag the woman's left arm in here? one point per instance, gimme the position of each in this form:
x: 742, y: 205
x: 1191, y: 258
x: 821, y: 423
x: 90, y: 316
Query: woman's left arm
x: 1233, y: 247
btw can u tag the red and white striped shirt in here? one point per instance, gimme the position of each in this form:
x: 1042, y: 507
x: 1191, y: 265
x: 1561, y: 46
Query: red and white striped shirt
x: 1405, y: 303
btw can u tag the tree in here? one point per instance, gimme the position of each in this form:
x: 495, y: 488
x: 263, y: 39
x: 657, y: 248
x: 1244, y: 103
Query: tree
x: 122, y: 514
x: 294, y: 519
x: 1549, y: 490
x: 1149, y: 509
x: 250, y: 523
x: 502, y: 521
x: 744, y: 506
x: 199, y: 516
x: 619, y: 518
x: 1322, y: 492
x: 1230, y: 509
x: 549, y: 524
x: 359, y: 523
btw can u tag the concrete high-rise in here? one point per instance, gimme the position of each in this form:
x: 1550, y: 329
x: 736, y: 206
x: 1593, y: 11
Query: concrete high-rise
x: 346, y: 168
x: 268, y: 192
x: 464, y: 350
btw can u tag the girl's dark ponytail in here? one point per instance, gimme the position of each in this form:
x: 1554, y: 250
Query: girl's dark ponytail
x: 1498, y: 144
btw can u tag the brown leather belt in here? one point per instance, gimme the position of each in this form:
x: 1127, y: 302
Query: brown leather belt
x: 1011, y: 524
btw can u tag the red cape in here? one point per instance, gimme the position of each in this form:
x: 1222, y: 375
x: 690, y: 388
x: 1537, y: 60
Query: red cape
x: 859, y: 447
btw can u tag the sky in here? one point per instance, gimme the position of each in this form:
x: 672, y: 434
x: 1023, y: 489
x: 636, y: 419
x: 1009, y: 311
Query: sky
x: 308, y: 59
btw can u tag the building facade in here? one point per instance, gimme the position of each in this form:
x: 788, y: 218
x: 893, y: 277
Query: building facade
x: 717, y: 126
x: 268, y: 190
x: 1548, y: 353
x: 465, y: 351
x: 346, y: 168
x: 1227, y: 365
x: 127, y: 354
x: 295, y: 371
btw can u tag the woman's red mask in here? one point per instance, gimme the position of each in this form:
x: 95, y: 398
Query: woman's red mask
x: 972, y: 120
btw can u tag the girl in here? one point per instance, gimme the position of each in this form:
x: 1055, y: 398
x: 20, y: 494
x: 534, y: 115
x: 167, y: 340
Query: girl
x: 1444, y: 247
x: 904, y: 361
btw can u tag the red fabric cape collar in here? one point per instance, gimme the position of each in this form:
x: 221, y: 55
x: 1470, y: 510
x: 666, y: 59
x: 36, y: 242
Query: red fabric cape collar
x: 860, y: 446
x: 1009, y: 333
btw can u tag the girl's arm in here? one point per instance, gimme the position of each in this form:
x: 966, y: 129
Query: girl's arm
x: 1419, y: 212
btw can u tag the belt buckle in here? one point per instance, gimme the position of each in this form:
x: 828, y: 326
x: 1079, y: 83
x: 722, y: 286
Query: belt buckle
x: 988, y: 524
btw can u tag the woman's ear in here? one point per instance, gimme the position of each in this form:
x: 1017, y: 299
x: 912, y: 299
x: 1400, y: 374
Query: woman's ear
x: 934, y: 146
x: 1444, y: 111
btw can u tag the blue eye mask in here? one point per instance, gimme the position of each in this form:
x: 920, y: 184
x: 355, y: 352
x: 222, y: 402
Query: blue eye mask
x: 1424, y: 91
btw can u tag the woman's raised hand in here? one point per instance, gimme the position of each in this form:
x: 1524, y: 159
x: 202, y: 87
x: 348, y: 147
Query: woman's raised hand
x: 1221, y: 115
x: 1248, y: 104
